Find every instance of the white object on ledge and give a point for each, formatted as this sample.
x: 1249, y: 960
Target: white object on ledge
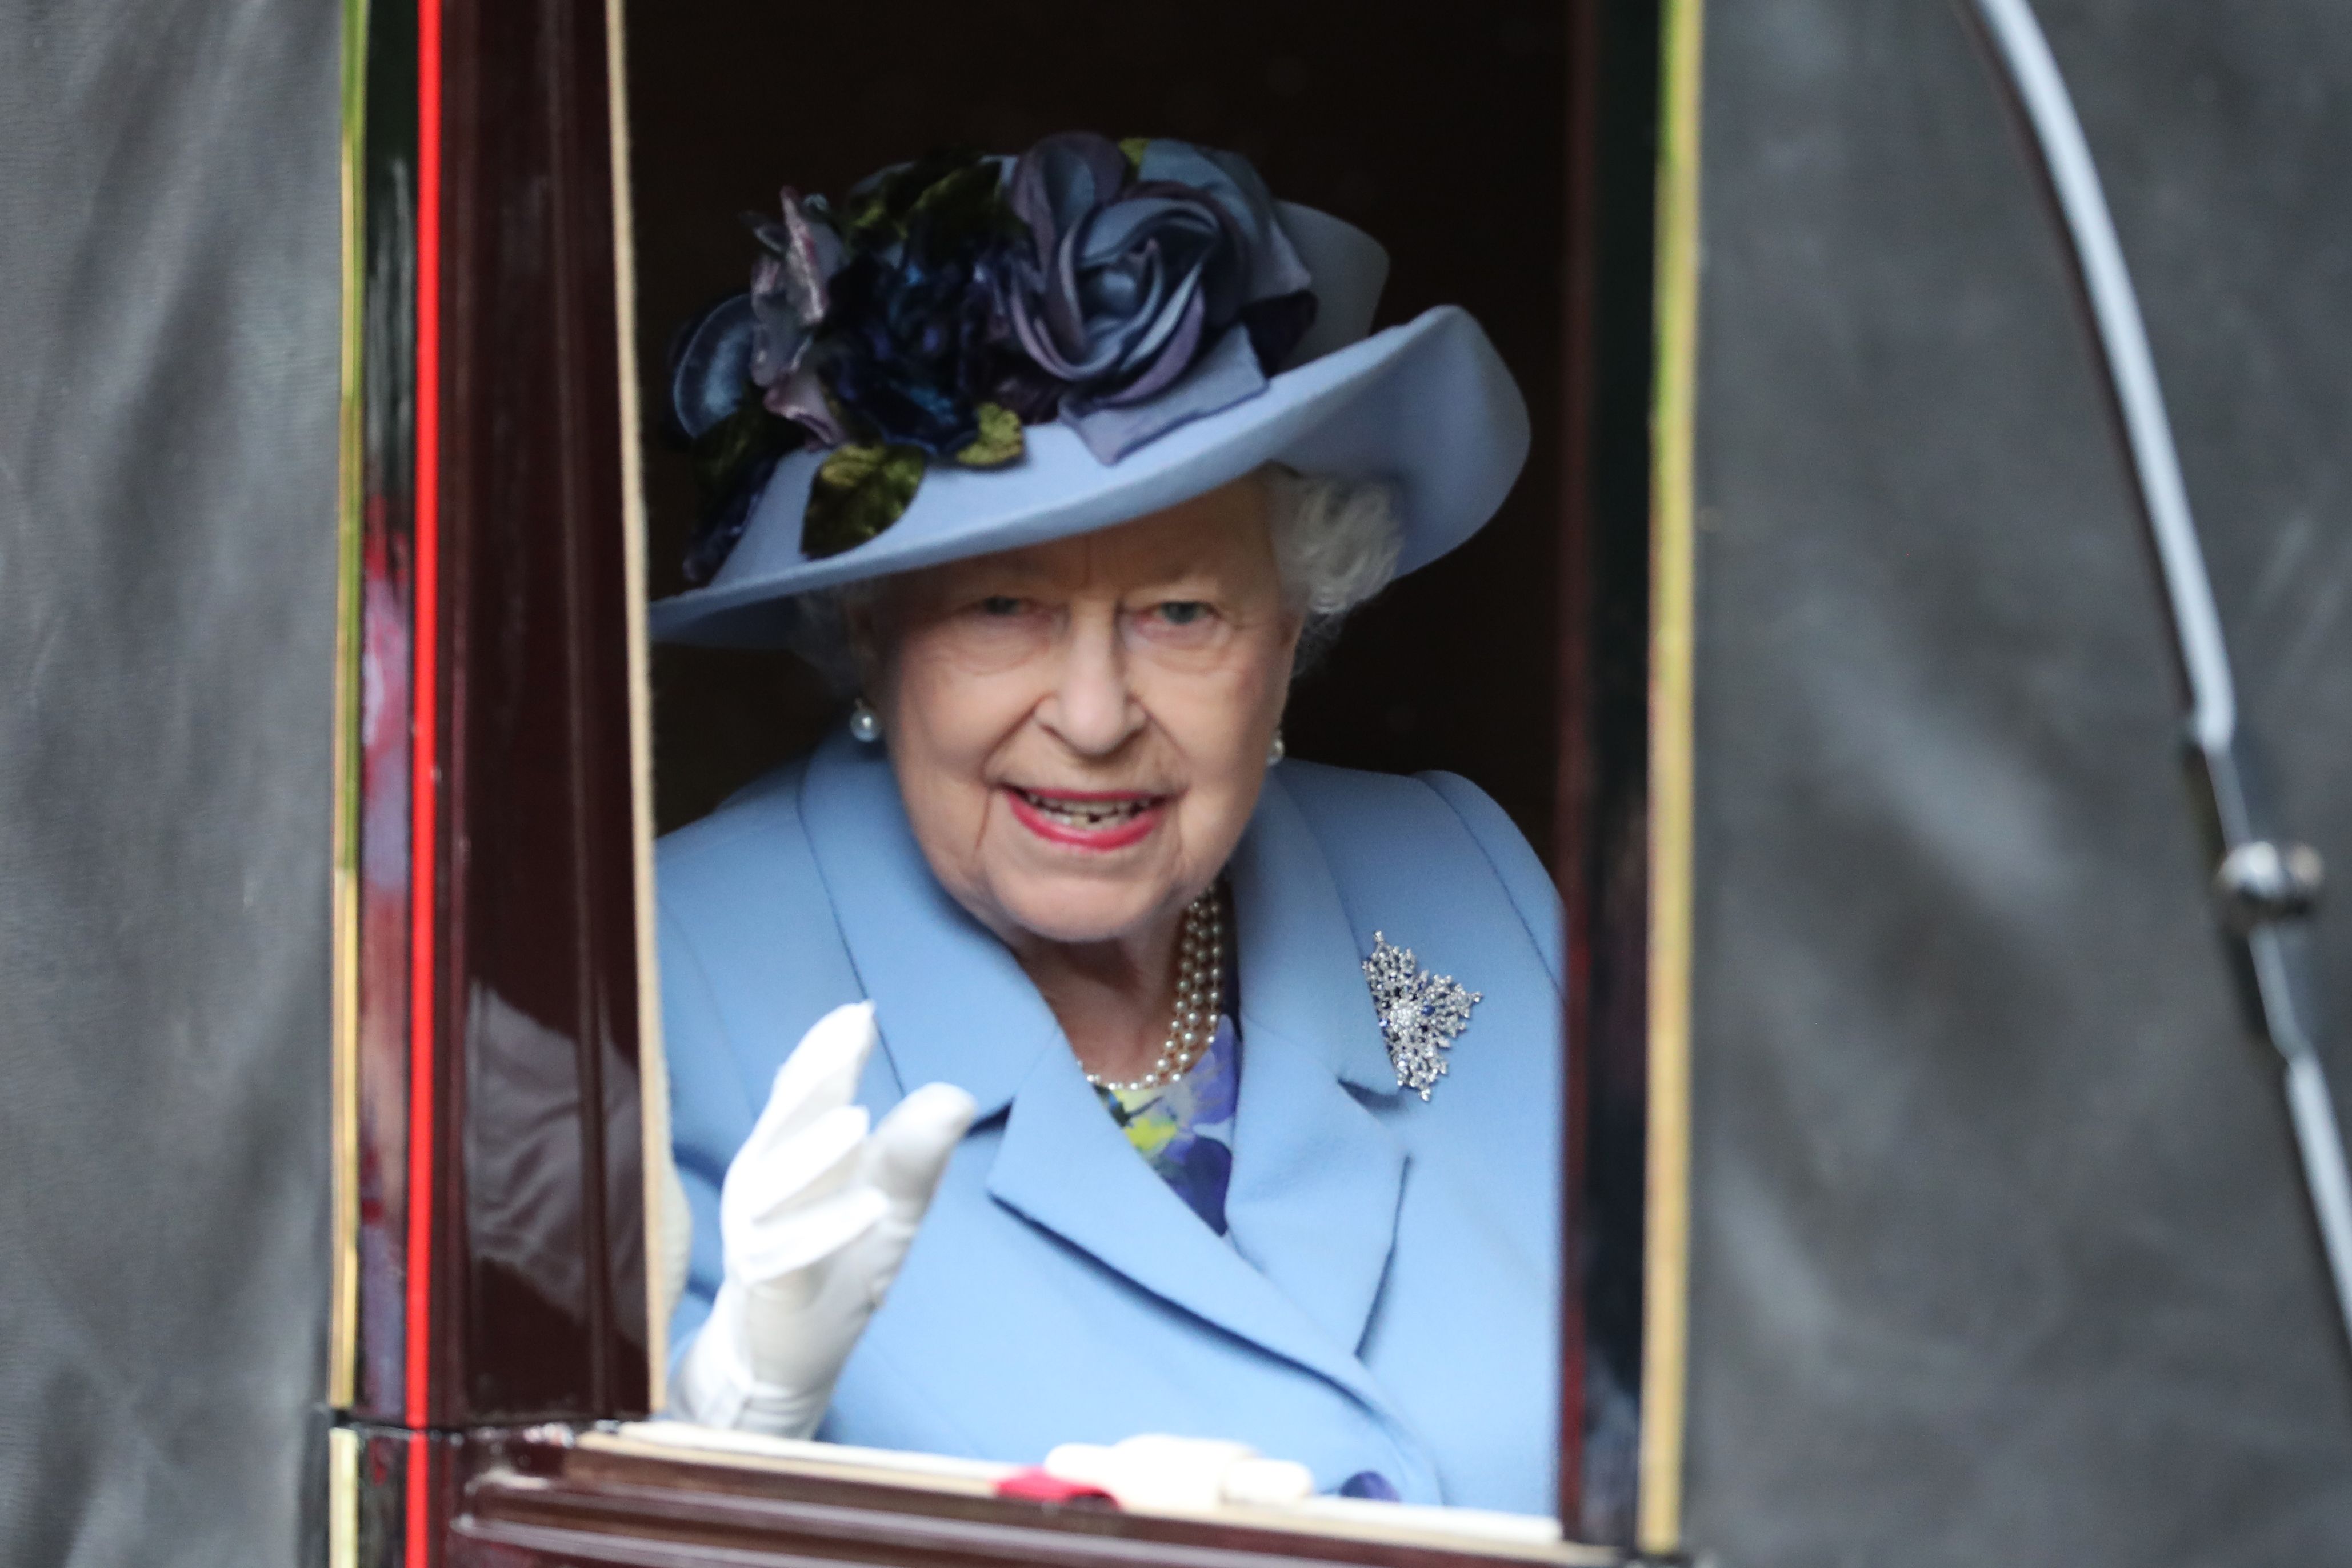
x: 1186, y: 1474
x: 1528, y: 1536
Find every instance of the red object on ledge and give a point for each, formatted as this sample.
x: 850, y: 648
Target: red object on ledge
x: 1036, y: 1485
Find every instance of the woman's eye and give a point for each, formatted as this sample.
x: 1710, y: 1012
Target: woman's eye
x: 1183, y: 612
x: 1000, y: 604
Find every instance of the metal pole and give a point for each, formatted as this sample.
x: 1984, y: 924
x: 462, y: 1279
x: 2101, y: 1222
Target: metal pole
x: 2265, y: 889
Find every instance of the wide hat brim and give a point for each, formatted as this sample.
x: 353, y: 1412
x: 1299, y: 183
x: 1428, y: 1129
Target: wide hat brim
x: 1427, y: 406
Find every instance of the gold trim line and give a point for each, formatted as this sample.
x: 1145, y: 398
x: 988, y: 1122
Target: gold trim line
x: 653, y: 1075
x: 1667, y: 1228
x: 343, y: 905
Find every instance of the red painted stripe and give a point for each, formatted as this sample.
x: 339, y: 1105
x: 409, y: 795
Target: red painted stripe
x: 424, y: 747
x: 416, y: 1539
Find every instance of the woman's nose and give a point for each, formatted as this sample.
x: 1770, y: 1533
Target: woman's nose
x: 1092, y: 708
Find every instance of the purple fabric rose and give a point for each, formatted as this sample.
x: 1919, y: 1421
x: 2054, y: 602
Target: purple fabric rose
x: 790, y: 299
x: 1140, y: 292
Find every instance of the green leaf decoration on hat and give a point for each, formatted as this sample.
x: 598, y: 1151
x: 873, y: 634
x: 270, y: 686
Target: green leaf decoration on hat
x: 856, y: 493
x: 999, y: 441
x: 721, y: 452
x: 963, y: 208
x: 954, y: 189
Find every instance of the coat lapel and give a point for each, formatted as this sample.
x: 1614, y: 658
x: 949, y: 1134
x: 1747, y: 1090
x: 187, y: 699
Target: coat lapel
x: 1317, y: 1178
x: 1064, y: 1165
x: 1316, y: 1181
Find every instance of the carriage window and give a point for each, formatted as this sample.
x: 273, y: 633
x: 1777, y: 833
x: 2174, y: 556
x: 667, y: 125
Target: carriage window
x: 1202, y: 391
x: 1004, y: 944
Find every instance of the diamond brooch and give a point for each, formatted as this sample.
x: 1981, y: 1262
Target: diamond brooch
x: 1420, y: 1012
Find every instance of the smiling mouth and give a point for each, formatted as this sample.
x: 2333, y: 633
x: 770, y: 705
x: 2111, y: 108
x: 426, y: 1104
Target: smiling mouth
x: 1093, y: 821
x: 1088, y: 811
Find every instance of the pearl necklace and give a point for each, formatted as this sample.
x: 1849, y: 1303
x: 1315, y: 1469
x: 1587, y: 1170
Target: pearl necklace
x: 1199, y: 966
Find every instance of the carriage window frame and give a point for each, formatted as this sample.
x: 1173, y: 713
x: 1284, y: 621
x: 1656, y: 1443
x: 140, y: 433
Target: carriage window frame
x: 494, y: 835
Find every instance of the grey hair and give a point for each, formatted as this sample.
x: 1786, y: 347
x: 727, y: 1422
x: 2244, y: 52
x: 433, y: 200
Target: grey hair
x: 1336, y: 543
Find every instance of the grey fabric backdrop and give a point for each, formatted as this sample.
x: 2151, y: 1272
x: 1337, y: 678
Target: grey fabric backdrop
x: 2001, y: 1251
x: 168, y: 289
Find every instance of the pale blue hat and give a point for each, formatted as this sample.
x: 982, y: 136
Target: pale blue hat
x: 1427, y: 406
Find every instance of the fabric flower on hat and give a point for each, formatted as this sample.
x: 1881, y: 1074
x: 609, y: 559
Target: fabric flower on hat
x: 917, y: 338
x: 1140, y: 260
x: 743, y: 392
x: 912, y: 342
x: 1122, y: 288
x: 789, y: 298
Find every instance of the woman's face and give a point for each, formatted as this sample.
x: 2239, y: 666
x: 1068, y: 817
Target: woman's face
x: 1080, y: 729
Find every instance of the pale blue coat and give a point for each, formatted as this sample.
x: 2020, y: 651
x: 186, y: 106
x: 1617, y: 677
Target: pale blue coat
x: 1386, y: 1299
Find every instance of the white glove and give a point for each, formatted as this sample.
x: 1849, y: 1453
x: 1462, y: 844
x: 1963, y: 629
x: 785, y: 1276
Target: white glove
x: 816, y: 1215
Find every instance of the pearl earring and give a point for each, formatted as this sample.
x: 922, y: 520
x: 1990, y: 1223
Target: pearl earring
x: 865, y: 724
x: 1276, y: 751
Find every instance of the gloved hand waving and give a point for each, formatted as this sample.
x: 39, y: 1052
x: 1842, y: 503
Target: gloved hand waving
x: 815, y: 1216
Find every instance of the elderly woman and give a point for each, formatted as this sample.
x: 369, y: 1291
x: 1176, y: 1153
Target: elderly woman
x: 1162, y: 1084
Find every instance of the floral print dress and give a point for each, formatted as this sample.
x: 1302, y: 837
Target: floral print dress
x: 1185, y: 1130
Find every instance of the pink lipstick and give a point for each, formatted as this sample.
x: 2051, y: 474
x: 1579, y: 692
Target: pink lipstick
x: 1087, y: 819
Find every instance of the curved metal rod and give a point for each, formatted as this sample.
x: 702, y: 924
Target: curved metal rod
x: 2040, y: 93
x: 2268, y: 887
